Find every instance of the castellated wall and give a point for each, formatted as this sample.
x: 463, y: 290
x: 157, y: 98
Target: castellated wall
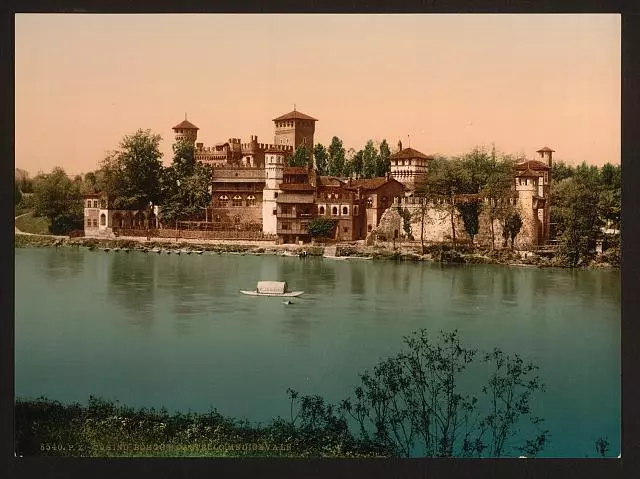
x: 437, y: 225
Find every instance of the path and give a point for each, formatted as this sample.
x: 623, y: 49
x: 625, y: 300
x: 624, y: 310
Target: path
x: 18, y: 232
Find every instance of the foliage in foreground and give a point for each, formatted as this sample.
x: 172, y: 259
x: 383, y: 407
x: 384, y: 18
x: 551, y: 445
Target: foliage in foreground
x: 410, y: 404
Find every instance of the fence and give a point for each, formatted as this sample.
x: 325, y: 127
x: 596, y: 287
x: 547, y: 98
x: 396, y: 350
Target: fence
x: 198, y: 234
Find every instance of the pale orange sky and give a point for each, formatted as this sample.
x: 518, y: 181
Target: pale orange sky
x: 451, y: 82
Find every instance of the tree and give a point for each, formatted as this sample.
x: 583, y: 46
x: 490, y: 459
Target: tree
x: 383, y: 160
x: 413, y: 402
x: 336, y: 157
x: 186, y: 185
x: 58, y: 199
x: 369, y: 160
x: 406, y: 221
x: 90, y: 183
x: 132, y: 175
x: 440, y: 187
x: 321, y: 157
x: 301, y: 157
x: 357, y: 164
x: 498, y: 189
x: 469, y: 209
x: 512, y: 226
x: 576, y: 212
x: 17, y: 194
x: 322, y: 227
x: 560, y: 170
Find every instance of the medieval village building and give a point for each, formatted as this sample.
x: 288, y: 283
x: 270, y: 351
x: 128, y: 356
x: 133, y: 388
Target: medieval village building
x: 254, y: 190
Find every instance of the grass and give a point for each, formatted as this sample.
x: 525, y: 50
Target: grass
x: 32, y: 224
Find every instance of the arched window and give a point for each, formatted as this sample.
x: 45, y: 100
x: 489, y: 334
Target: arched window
x: 223, y: 200
x: 237, y: 201
x: 345, y: 210
x: 103, y: 220
x: 355, y: 210
x: 251, y: 200
x: 334, y: 210
x: 321, y: 210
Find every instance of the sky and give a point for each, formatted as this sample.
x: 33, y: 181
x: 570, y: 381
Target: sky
x: 442, y: 84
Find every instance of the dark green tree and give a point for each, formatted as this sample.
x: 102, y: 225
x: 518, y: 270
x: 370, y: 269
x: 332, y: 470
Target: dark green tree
x: 560, y: 170
x: 469, y: 209
x: 512, y: 226
x: 59, y: 199
x: 301, y: 157
x: 321, y: 158
x: 131, y: 176
x: 383, y: 160
x: 336, y: 157
x: 186, y: 185
x: 369, y: 160
x: 322, y: 227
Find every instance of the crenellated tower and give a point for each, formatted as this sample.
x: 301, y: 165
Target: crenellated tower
x: 295, y: 129
x: 186, y: 131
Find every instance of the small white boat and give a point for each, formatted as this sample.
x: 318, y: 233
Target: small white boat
x: 272, y: 288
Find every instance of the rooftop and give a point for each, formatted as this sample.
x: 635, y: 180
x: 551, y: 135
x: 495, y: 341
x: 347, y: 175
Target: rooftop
x: 409, y: 153
x: 295, y: 115
x: 370, y: 183
x: 185, y: 125
x: 545, y: 149
x: 295, y: 170
x: 531, y: 165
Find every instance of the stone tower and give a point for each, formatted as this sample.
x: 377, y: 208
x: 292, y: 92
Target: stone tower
x: 295, y: 129
x: 186, y: 131
x: 546, y: 156
x: 274, y: 171
x: 527, y: 190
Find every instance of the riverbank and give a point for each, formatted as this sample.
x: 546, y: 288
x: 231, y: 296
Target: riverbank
x: 442, y: 253
x: 106, y: 429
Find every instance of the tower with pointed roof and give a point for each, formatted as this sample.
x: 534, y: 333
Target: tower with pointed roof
x: 186, y: 131
x: 409, y: 166
x: 295, y: 129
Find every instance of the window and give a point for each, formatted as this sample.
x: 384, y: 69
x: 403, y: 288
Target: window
x: 89, y: 222
x: 369, y: 202
x: 236, y: 219
x: 285, y: 210
x: 304, y: 226
x: 223, y: 200
x: 286, y: 226
x: 334, y: 210
x: 251, y: 200
x: 103, y: 219
x: 88, y: 203
x: 237, y: 201
x: 345, y: 229
x: 275, y: 211
x: 321, y: 210
x: 95, y: 203
x: 345, y: 210
x: 355, y: 210
x: 95, y: 223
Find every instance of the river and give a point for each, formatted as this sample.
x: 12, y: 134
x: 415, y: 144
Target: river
x: 166, y: 330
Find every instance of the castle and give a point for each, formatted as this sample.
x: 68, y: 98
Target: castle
x: 253, y: 189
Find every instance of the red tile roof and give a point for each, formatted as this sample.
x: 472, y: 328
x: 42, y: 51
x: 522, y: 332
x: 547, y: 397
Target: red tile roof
x: 371, y: 183
x: 185, y: 124
x: 409, y: 153
x: 327, y: 180
x: 544, y: 149
x: 532, y: 165
x: 295, y: 115
x: 296, y: 187
x: 528, y: 173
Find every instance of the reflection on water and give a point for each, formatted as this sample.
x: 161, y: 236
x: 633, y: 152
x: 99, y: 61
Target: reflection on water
x: 153, y: 330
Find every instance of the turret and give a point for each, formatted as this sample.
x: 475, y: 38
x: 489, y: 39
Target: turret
x: 274, y: 170
x: 186, y: 131
x: 546, y: 154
